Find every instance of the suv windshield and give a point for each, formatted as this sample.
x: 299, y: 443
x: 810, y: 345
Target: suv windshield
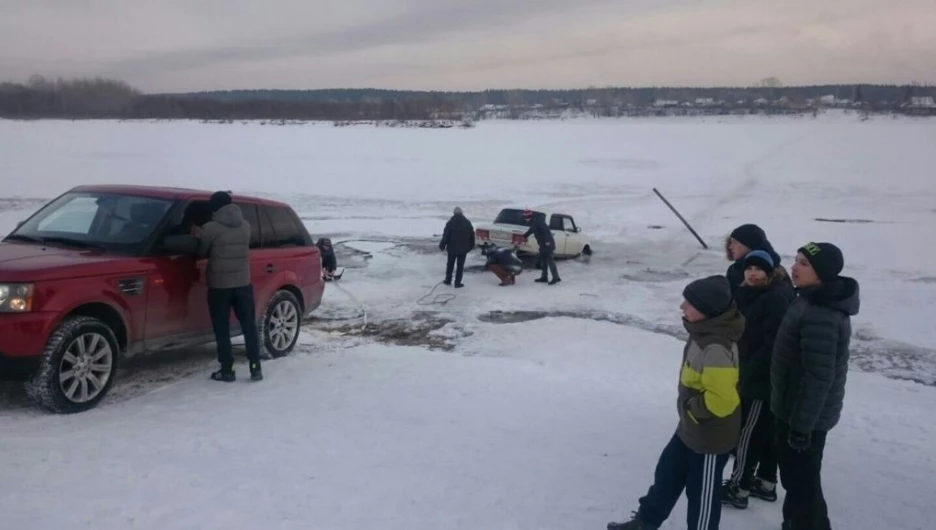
x: 510, y: 216
x: 95, y: 220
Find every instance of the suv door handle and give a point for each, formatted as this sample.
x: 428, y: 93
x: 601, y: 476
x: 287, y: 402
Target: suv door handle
x: 270, y: 269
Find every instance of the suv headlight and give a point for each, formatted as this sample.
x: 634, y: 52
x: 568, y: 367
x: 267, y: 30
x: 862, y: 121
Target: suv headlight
x: 16, y: 297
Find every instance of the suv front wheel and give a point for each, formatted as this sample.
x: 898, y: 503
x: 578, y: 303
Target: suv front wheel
x: 77, y: 367
x: 279, y: 328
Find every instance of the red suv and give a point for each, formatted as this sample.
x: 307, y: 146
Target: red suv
x: 89, y: 278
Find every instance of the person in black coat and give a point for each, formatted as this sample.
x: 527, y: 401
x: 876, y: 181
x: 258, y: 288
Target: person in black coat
x: 763, y: 299
x: 329, y: 260
x: 504, y: 263
x: 807, y: 376
x: 547, y: 246
x: 458, y: 239
x: 739, y: 243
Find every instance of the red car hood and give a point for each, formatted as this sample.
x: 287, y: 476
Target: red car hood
x: 30, y: 263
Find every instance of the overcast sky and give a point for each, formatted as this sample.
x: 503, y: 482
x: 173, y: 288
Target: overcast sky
x: 183, y: 45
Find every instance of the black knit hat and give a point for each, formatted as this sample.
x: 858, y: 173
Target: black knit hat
x: 218, y: 200
x: 826, y: 259
x: 760, y: 259
x: 711, y: 296
x: 750, y: 235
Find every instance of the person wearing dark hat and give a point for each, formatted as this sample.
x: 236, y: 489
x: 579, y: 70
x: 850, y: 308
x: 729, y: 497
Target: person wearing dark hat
x: 546, y: 243
x: 458, y: 239
x: 763, y: 299
x: 709, y: 413
x: 807, y: 375
x: 739, y: 243
x: 225, y: 241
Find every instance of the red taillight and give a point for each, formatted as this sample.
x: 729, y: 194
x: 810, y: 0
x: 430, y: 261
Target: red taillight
x: 483, y: 234
x: 517, y: 239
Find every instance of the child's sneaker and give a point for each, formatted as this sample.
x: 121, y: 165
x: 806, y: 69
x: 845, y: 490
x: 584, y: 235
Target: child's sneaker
x: 764, y: 490
x: 734, y: 496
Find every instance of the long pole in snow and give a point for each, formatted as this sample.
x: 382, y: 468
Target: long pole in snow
x: 681, y: 218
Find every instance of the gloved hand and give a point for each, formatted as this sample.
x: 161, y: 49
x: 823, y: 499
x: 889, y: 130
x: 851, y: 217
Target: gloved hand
x: 442, y: 246
x: 799, y: 441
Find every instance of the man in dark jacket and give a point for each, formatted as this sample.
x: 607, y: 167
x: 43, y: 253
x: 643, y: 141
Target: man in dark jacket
x: 547, y: 246
x: 329, y: 260
x: 807, y: 375
x: 459, y: 239
x: 225, y: 241
x: 763, y: 300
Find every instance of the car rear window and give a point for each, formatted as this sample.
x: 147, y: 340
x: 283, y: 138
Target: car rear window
x: 510, y: 216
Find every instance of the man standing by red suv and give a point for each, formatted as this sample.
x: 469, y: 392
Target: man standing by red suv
x: 225, y: 241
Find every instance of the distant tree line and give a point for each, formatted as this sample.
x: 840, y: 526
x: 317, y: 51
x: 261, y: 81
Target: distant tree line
x: 107, y: 98
x: 110, y: 99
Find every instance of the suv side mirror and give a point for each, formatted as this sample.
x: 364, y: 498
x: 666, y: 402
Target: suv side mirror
x: 578, y: 229
x: 19, y: 224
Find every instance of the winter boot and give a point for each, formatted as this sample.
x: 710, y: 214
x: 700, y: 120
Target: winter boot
x: 226, y: 376
x: 447, y: 282
x: 764, y: 490
x: 459, y: 285
x: 555, y: 281
x: 734, y: 496
x: 634, y: 524
x: 256, y: 374
x: 542, y: 279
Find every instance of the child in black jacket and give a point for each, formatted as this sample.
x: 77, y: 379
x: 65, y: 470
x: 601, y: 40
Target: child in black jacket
x: 763, y: 298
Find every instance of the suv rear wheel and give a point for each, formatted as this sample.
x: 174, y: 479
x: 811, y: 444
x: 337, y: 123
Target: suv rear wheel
x: 279, y: 328
x: 77, y: 367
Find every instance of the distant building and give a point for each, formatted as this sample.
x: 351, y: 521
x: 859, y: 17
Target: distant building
x: 827, y: 100
x: 923, y: 101
x: 665, y: 103
x: 705, y: 101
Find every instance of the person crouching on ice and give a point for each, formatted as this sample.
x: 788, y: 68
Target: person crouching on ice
x: 329, y: 261
x: 709, y: 413
x: 504, y: 263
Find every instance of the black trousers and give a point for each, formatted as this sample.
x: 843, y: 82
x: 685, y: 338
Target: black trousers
x: 457, y: 262
x: 682, y: 469
x: 804, y: 507
x: 548, y: 263
x: 756, y: 448
x: 220, y: 304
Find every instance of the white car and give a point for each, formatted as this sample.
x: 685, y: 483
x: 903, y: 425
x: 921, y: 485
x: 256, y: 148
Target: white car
x: 509, y: 226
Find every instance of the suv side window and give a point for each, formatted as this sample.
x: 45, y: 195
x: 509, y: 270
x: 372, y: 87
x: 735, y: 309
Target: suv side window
x: 284, y: 233
x: 252, y: 216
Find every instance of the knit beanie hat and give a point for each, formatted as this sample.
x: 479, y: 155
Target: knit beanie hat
x: 760, y: 259
x: 711, y: 296
x: 826, y: 259
x: 457, y: 211
x: 750, y: 235
x: 218, y: 200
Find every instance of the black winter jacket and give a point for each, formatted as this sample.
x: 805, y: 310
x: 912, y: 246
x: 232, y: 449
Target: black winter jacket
x: 458, y: 236
x: 810, y: 360
x: 544, y: 237
x: 763, y: 309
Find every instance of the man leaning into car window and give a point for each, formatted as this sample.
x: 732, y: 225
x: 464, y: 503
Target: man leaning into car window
x: 225, y: 241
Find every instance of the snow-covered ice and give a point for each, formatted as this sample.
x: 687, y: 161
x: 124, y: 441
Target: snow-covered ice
x: 522, y: 407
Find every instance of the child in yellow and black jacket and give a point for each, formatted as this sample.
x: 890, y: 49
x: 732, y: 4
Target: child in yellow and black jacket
x: 709, y: 412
